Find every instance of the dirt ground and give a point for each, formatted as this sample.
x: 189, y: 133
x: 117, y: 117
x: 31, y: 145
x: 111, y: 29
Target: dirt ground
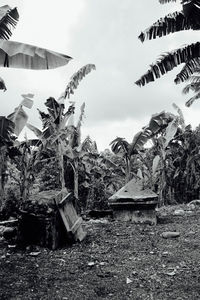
x: 117, y: 260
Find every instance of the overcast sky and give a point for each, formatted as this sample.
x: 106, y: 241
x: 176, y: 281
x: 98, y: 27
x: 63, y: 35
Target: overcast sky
x: 102, y: 32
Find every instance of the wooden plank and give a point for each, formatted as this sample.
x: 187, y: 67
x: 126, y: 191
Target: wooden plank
x: 64, y: 219
x: 76, y: 225
x: 69, y: 216
x: 132, y: 203
x: 67, y: 198
x: 9, y: 222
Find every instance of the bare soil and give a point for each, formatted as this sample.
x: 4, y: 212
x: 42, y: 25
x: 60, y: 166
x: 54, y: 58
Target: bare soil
x: 117, y: 260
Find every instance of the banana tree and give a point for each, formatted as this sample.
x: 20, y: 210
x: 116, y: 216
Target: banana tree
x: 75, y: 150
x: 186, y: 19
x: 23, y: 166
x: 11, y: 126
x: 6, y: 145
x: 56, y: 132
x: 121, y: 147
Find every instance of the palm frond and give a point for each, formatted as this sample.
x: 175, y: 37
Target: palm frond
x: 171, y: 23
x: 191, y: 100
x: 187, y: 89
x: 169, y: 61
x: 191, y: 9
x: 194, y: 79
x: 192, y: 66
x: 8, y: 18
x: 76, y: 78
x: 166, y: 1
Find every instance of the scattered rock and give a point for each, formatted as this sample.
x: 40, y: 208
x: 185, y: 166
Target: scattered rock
x: 192, y: 207
x: 128, y: 280
x: 194, y: 202
x: 134, y: 273
x: 91, y: 264
x: 170, y: 234
x: 12, y: 246
x: 102, y: 221
x: 165, y: 253
x: 179, y: 212
x: 34, y: 253
x: 171, y: 273
x: 189, y: 212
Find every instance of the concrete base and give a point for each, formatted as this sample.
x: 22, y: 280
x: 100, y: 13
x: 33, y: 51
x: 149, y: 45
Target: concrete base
x: 136, y: 216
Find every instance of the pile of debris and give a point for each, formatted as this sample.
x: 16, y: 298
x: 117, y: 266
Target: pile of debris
x: 48, y: 219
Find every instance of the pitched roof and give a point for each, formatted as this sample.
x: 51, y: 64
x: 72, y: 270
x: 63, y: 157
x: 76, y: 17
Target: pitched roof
x: 133, y: 191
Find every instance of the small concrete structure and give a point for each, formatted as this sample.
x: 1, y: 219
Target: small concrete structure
x: 134, y: 203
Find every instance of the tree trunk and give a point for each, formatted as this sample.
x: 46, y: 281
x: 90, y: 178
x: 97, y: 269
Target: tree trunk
x: 76, y: 195
x: 61, y: 166
x: 2, y: 170
x: 128, y: 170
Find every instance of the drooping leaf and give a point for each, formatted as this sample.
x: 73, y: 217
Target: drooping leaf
x: 170, y: 132
x: 8, y: 18
x: 37, y: 131
x: 6, y: 129
x: 190, y: 67
x: 155, y: 164
x: 27, y: 100
x: 80, y: 120
x: 171, y: 23
x: 67, y: 115
x: 19, y: 117
x: 45, y: 118
x: 31, y: 142
x: 82, y: 109
x: 191, y: 10
x: 2, y: 85
x: 181, y: 117
x: 166, y: 1
x: 139, y: 140
x: 159, y: 121
x: 76, y: 78
x: 169, y: 61
x: 191, y: 100
x: 53, y: 107
x: 120, y: 146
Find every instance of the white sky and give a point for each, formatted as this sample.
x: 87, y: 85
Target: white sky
x: 103, y: 32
